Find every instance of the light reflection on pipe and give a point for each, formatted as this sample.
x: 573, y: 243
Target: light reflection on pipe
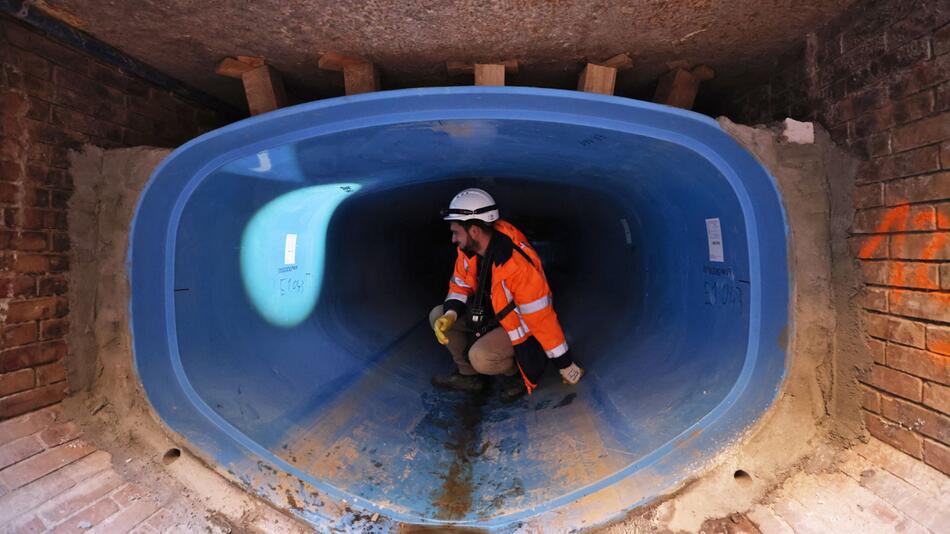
x: 283, y: 252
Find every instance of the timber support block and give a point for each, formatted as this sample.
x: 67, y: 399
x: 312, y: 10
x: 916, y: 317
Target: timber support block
x: 489, y: 73
x: 679, y: 86
x: 359, y: 75
x: 263, y: 86
x: 597, y: 79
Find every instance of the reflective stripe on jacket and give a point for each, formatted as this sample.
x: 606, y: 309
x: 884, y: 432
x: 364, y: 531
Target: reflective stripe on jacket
x: 517, y: 275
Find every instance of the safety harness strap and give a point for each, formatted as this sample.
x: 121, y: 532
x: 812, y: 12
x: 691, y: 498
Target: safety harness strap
x: 484, y: 264
x: 496, y: 320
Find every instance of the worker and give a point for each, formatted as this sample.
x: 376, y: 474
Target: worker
x: 498, y: 317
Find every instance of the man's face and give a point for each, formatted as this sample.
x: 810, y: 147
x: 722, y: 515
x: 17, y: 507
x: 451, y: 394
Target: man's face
x: 462, y: 238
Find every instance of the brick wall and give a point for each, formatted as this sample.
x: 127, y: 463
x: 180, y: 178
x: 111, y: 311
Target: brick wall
x: 878, y: 79
x: 54, y: 98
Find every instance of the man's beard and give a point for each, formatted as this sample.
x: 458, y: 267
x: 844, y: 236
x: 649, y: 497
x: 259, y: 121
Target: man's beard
x: 471, y: 246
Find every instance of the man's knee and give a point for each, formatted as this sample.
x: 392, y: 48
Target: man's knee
x: 489, y: 360
x: 435, y: 314
x: 479, y: 360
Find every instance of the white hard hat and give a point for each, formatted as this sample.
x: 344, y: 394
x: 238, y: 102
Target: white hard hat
x: 470, y: 204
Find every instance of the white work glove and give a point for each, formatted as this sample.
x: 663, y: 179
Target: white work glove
x: 572, y: 374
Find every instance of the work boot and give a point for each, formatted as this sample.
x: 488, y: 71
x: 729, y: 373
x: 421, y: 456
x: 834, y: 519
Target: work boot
x: 459, y: 382
x: 512, y: 387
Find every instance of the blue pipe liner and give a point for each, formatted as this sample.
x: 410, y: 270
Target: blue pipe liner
x: 283, y: 267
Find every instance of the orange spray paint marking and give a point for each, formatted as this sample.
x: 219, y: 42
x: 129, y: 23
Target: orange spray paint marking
x: 896, y: 277
x: 928, y: 253
x: 897, y: 214
x: 895, y: 220
x: 921, y: 220
x: 942, y: 347
x: 942, y: 221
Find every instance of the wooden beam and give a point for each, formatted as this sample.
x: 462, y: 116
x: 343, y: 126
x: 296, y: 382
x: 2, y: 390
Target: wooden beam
x: 264, y: 90
x: 703, y: 73
x: 597, y: 79
x: 511, y: 66
x: 677, y: 88
x: 253, y: 61
x: 234, y: 67
x: 619, y: 62
x: 489, y: 74
x: 359, y: 75
x: 263, y: 86
x: 337, y: 62
x: 360, y: 78
x: 457, y: 68
x: 677, y: 64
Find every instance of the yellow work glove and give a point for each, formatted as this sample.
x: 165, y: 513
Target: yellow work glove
x: 572, y: 374
x: 442, y: 324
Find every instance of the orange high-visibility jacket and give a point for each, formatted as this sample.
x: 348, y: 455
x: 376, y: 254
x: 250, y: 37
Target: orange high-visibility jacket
x: 516, y: 276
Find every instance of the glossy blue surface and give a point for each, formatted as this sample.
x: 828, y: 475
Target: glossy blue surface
x: 316, y: 362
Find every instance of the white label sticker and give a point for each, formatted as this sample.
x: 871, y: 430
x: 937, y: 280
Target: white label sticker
x: 290, y: 249
x: 714, y: 236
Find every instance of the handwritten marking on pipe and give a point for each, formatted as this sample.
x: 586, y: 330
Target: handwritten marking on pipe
x: 291, y: 285
x: 722, y: 293
x: 596, y: 138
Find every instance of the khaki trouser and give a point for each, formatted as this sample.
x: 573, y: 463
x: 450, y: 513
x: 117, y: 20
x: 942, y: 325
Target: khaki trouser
x: 492, y: 354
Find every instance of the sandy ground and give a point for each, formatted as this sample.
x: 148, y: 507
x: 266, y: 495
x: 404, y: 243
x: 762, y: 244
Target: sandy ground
x: 57, y: 475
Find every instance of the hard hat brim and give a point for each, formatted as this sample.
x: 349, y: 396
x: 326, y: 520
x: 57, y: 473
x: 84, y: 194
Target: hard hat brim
x: 489, y: 216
